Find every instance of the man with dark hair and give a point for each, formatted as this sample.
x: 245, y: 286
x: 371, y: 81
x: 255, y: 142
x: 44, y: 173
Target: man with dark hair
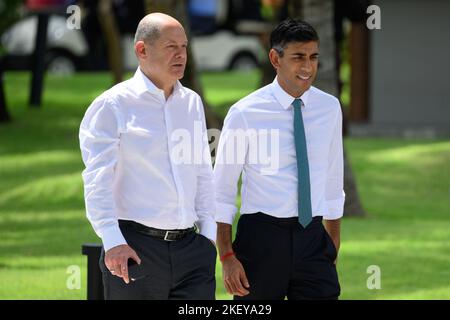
x: 142, y: 199
x: 282, y: 248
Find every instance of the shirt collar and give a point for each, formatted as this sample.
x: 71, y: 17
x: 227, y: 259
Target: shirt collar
x: 284, y: 98
x: 143, y: 84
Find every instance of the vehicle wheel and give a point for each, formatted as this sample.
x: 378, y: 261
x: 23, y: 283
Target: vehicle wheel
x: 59, y: 63
x: 244, y: 62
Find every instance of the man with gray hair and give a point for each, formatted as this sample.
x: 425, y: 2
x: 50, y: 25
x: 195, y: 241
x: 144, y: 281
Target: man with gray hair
x: 143, y: 202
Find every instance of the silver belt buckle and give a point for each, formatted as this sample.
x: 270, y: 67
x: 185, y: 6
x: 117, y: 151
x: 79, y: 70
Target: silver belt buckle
x: 165, y: 237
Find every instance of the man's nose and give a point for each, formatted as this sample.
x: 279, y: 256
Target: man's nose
x: 181, y: 53
x: 307, y: 66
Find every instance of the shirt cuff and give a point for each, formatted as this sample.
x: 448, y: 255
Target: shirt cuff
x: 225, y: 213
x: 335, y: 209
x: 208, y: 229
x: 112, y: 237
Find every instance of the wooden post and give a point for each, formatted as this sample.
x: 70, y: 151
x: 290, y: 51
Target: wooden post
x: 359, y: 76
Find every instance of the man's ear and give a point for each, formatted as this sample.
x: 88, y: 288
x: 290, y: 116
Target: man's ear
x: 139, y: 49
x: 274, y: 58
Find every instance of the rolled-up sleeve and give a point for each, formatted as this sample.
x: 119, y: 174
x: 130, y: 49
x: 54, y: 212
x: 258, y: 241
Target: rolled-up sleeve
x: 231, y: 155
x: 204, y: 198
x: 99, y: 144
x: 334, y: 189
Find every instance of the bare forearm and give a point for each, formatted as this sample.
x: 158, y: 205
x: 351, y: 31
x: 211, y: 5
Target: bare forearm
x: 333, y: 228
x: 224, y: 238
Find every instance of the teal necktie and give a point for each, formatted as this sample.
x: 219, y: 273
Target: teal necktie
x: 304, y: 192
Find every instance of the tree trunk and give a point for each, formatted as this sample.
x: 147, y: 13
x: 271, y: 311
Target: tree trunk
x: 111, y: 34
x: 177, y: 9
x: 8, y: 15
x: 268, y: 72
x: 4, y: 115
x: 353, y: 206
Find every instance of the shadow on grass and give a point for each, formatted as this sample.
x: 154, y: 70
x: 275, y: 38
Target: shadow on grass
x: 48, y: 237
x: 41, y: 130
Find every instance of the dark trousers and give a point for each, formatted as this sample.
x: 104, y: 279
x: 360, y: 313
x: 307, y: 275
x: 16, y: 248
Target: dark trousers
x: 182, y: 269
x: 283, y: 259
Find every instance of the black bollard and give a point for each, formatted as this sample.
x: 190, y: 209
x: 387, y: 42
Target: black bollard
x: 94, y: 274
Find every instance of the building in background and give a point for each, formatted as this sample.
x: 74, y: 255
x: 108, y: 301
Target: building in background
x: 408, y: 72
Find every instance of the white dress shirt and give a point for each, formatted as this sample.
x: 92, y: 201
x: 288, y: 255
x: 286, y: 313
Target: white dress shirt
x: 130, y: 140
x: 269, y: 183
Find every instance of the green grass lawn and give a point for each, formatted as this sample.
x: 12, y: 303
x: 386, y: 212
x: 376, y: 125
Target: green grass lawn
x: 404, y: 186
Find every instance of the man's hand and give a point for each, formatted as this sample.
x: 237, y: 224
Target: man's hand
x: 333, y: 227
x: 337, y: 244
x: 116, y: 260
x: 234, y: 277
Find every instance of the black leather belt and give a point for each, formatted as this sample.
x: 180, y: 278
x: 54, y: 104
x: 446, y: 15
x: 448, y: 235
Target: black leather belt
x: 167, y: 235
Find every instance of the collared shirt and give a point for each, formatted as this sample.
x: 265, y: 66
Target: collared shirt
x: 141, y: 154
x: 267, y: 157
